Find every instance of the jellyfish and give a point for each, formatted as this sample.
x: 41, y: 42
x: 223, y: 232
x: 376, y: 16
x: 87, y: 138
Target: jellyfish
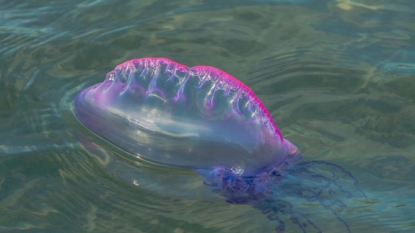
x: 203, y: 119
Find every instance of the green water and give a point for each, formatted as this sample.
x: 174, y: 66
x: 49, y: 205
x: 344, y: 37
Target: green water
x: 338, y: 77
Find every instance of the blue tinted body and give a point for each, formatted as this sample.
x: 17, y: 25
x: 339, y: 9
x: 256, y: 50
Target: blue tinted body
x: 170, y: 114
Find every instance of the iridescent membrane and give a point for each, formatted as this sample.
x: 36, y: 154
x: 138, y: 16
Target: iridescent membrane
x: 199, y: 117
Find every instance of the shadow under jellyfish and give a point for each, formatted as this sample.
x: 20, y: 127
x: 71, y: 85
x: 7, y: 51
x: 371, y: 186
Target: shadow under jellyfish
x: 204, y: 119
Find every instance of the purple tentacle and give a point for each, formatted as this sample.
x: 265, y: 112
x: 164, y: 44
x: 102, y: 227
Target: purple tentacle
x: 266, y: 191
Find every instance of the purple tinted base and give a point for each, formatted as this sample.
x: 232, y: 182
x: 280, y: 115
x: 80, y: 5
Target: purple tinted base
x: 311, y: 181
x: 239, y: 189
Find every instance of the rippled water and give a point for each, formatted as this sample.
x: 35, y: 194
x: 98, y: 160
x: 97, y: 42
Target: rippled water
x: 337, y: 76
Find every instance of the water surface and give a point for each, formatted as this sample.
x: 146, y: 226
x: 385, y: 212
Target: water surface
x: 337, y: 77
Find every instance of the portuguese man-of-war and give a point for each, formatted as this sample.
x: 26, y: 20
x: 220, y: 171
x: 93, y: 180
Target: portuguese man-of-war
x: 204, y: 119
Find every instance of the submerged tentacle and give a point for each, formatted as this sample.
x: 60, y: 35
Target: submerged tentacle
x: 304, y: 173
x: 335, y: 177
x: 303, y: 180
x: 273, y: 208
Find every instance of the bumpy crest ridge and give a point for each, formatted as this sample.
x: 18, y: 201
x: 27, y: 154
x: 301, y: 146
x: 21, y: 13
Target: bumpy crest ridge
x: 222, y: 81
